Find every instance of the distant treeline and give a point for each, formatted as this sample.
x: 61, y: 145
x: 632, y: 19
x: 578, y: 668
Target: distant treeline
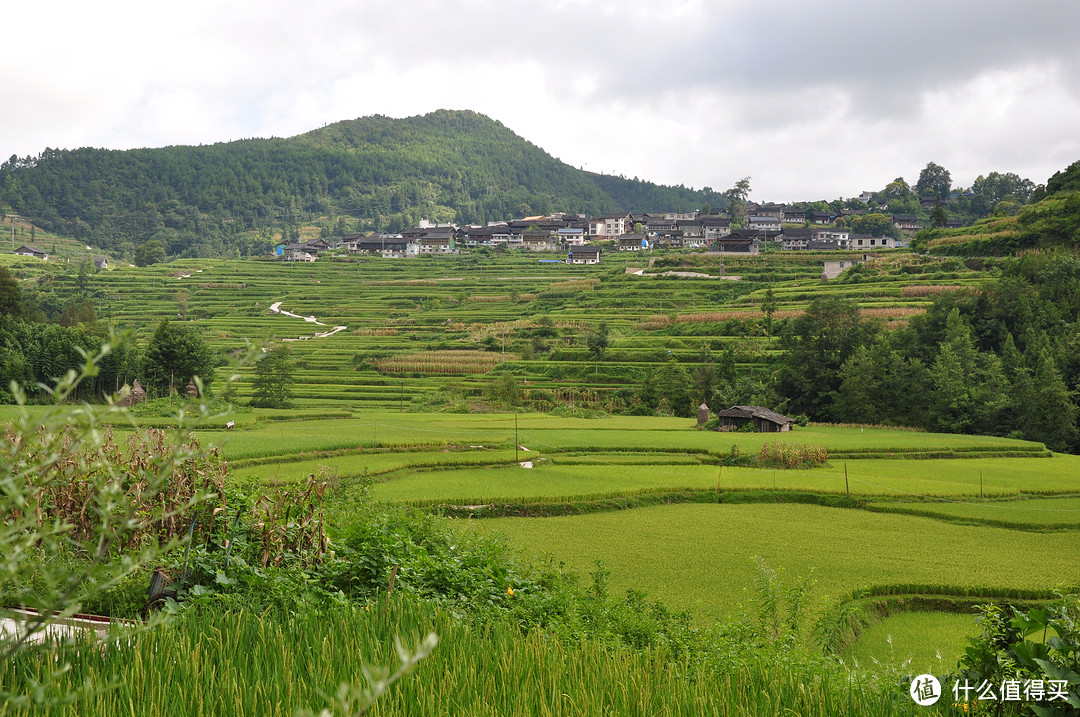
x: 372, y: 173
x: 1052, y: 219
x: 1003, y: 360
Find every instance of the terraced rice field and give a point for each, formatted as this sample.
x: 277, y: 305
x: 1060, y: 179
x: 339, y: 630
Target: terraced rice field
x: 925, y: 508
x: 998, y: 514
x: 410, y: 325
x: 700, y: 557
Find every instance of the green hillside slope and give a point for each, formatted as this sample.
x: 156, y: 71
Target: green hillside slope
x: 364, y: 174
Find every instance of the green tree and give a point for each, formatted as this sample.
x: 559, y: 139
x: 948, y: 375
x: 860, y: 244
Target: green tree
x: 1051, y: 417
x: 506, y: 391
x: 934, y: 180
x: 817, y: 344
x: 272, y: 385
x: 175, y: 355
x: 738, y: 195
x: 672, y: 382
x: 938, y: 217
x: 768, y: 308
x: 150, y: 252
x: 875, y: 224
x: 10, y: 295
x: 597, y: 342
x: 896, y: 189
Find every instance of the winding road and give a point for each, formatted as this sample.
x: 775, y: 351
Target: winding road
x: 276, y: 308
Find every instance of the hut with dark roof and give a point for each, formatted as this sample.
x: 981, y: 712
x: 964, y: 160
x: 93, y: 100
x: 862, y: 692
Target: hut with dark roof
x: 763, y: 419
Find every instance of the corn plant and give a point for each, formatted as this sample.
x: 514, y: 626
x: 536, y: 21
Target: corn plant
x: 291, y: 524
x: 79, y: 515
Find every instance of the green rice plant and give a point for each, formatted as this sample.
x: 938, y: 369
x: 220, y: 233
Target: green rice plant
x: 1038, y: 514
x: 697, y: 556
x: 900, y: 642
x: 210, y: 662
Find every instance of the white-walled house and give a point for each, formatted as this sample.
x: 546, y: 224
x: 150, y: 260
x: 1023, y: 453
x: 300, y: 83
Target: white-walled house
x: 583, y: 255
x: 31, y: 250
x: 610, y: 225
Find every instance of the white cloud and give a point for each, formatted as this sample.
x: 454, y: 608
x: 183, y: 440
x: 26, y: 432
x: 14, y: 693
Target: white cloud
x: 812, y: 100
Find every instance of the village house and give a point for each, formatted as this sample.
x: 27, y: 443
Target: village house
x: 833, y: 269
x: 690, y: 228
x: 537, y: 240
x: 571, y: 236
x: 31, y: 250
x: 764, y: 223
x: 765, y: 210
x: 739, y: 242
x: 672, y: 239
x: 793, y: 215
x: 633, y: 242
x: 390, y: 246
x: 906, y: 222
x: 101, y: 262
x: 796, y: 239
x: 436, y: 241
x: 609, y: 225
x: 317, y: 245
x: 865, y: 241
x: 660, y: 225
x: 840, y: 236
x: 714, y: 227
x: 763, y: 419
x: 297, y: 252
x: 815, y: 217
x: 583, y: 255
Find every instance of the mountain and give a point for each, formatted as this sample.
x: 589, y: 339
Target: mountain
x: 368, y: 173
x: 638, y: 195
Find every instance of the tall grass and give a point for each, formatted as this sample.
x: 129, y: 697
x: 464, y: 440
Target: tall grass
x: 239, y: 663
x: 442, y: 362
x: 791, y: 455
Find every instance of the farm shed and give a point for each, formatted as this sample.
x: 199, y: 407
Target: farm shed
x: 764, y: 420
x: 31, y: 250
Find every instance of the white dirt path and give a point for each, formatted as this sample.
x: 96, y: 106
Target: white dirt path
x: 276, y: 308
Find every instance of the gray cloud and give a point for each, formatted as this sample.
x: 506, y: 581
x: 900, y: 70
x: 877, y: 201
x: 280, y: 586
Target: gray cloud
x: 812, y: 99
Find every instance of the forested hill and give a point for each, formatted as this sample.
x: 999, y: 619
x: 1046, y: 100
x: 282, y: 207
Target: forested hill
x: 369, y: 173
x: 640, y: 196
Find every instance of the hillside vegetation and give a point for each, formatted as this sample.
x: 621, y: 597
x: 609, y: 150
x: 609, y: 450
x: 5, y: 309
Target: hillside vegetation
x: 1052, y: 220
x: 369, y: 173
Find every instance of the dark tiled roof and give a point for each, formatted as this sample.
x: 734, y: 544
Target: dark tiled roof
x: 755, y: 412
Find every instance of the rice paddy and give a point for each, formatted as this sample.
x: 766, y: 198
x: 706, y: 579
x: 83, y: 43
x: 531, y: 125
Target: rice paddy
x: 242, y: 663
x: 950, y: 513
x: 913, y: 642
x: 700, y: 557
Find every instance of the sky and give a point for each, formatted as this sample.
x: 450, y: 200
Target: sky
x: 811, y: 100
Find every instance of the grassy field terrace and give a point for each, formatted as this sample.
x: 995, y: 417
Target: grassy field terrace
x: 383, y: 333
x: 939, y: 521
x: 654, y: 500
